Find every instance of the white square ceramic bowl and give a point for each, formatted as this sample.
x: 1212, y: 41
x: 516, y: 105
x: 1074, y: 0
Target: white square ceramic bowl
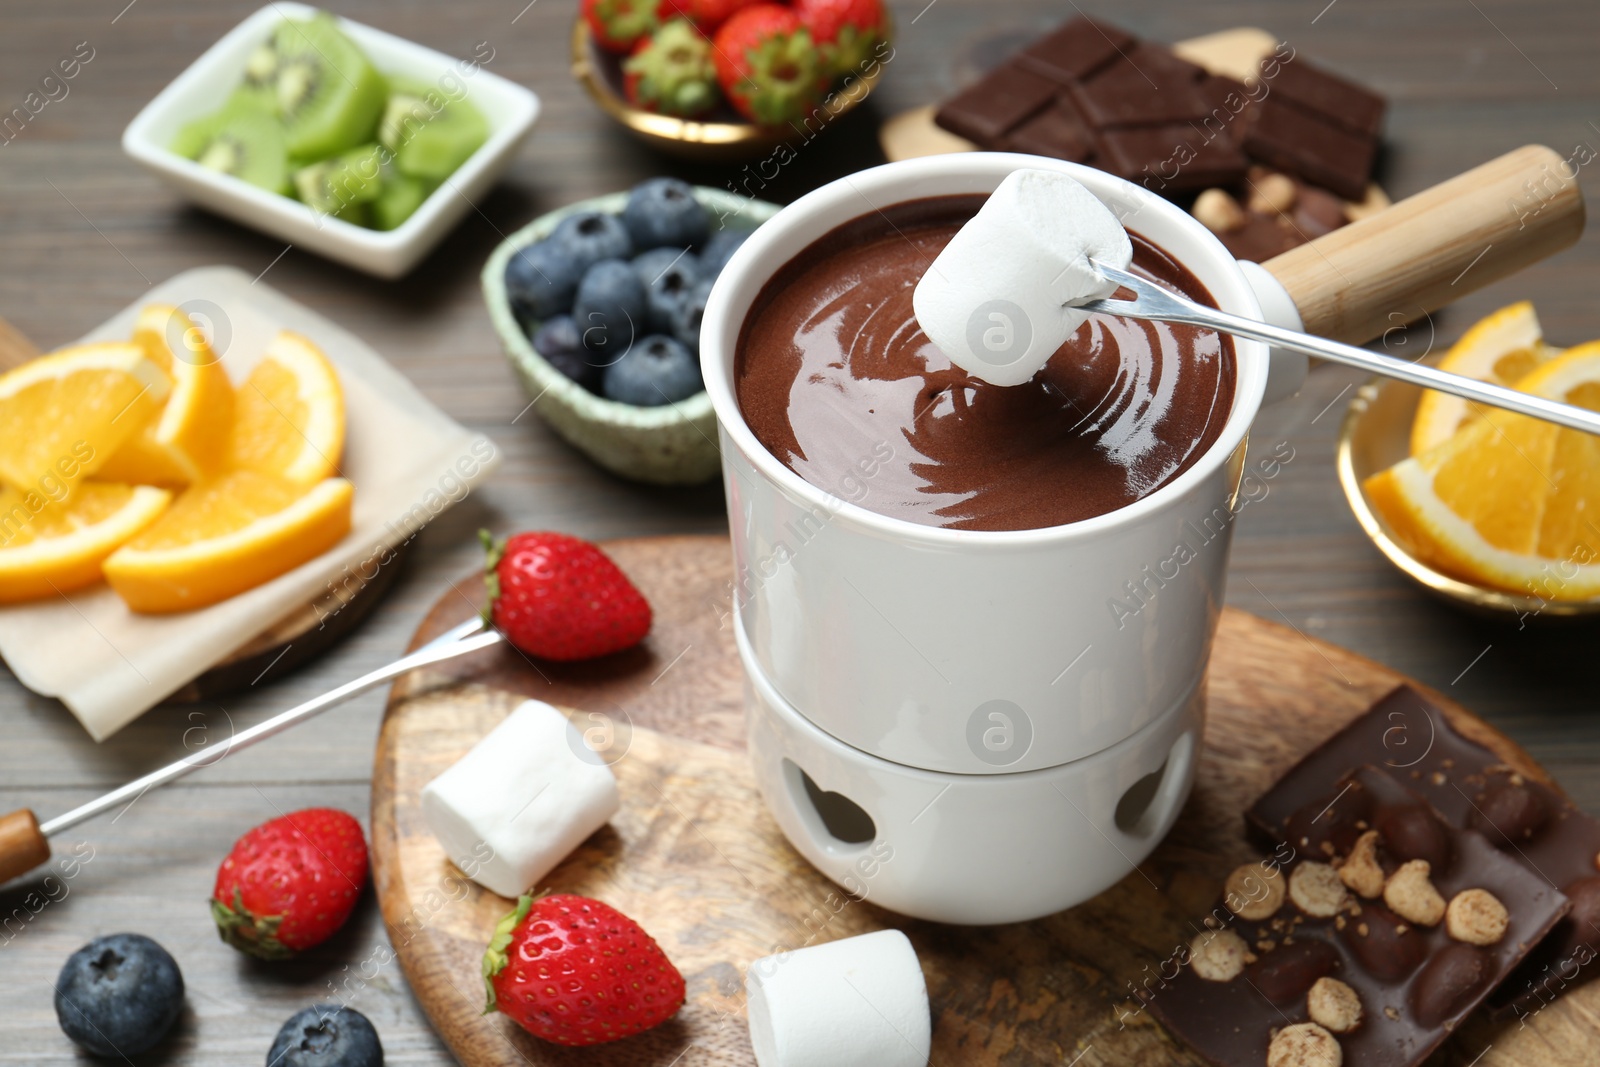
x: 510, y: 109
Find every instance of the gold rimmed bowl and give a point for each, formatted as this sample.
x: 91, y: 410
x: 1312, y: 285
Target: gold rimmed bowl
x: 1375, y: 434
x: 723, y: 135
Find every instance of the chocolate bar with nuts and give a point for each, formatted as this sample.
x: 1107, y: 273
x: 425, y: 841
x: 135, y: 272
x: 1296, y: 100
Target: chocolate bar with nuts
x: 1371, y: 933
x: 1532, y: 823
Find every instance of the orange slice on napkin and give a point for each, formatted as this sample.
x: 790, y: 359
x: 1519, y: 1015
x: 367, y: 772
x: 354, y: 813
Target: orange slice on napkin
x: 188, y: 441
x: 1502, y: 348
x: 48, y: 548
x: 64, y: 414
x: 1505, y: 502
x: 224, y: 537
x: 289, y: 414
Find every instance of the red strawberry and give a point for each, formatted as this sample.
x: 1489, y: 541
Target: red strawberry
x: 705, y: 14
x: 578, y: 972
x: 618, y: 25
x: 557, y: 597
x: 769, y: 67
x: 846, y: 30
x: 290, y: 883
x: 672, y: 72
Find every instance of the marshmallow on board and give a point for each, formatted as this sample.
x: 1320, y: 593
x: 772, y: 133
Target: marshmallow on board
x: 524, y: 797
x: 859, y: 1002
x: 998, y: 301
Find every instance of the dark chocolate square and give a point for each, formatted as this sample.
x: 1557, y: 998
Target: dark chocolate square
x: 1075, y: 50
x: 1161, y: 62
x: 1057, y: 131
x: 1129, y: 94
x: 1343, y: 103
x: 1228, y: 107
x: 997, y: 104
x: 1304, y: 144
x: 1169, y: 159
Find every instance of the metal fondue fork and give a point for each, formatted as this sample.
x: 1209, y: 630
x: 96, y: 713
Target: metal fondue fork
x: 23, y: 843
x: 1152, y: 302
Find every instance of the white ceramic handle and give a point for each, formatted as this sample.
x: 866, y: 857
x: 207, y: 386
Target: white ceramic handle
x: 1286, y: 372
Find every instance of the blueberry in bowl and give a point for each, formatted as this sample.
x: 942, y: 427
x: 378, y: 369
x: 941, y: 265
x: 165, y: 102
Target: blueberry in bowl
x: 598, y: 307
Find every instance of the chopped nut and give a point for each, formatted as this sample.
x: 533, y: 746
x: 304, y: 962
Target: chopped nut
x: 1391, y: 1012
x: 1304, y: 1045
x: 1438, y: 778
x: 1334, y: 1005
x: 1316, y: 890
x: 1339, y: 922
x: 1360, y: 870
x: 1265, y: 946
x: 1411, y: 895
x: 1218, y: 956
x: 1217, y: 211
x: 1273, y: 194
x: 1254, y: 892
x: 1361, y: 929
x: 1476, y: 916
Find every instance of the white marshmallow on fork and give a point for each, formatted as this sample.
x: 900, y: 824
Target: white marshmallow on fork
x: 859, y: 1002
x: 998, y: 300
x: 524, y: 797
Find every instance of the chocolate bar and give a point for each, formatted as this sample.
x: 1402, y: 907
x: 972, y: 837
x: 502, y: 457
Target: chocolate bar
x: 1290, y: 138
x: 1374, y: 926
x: 1091, y: 93
x: 1532, y: 823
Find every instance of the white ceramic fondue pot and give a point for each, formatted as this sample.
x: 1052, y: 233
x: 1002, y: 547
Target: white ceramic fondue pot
x: 982, y: 727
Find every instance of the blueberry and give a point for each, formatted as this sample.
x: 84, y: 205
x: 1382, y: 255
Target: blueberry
x: 540, y: 281
x: 688, y: 316
x: 656, y: 371
x: 560, y: 342
x: 722, y: 245
x: 610, y: 309
x: 649, y: 265
x: 590, y: 236
x: 668, y: 288
x: 118, y: 996
x: 326, y: 1035
x: 663, y: 211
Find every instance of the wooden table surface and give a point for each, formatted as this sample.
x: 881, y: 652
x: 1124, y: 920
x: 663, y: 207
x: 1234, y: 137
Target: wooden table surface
x: 83, y: 231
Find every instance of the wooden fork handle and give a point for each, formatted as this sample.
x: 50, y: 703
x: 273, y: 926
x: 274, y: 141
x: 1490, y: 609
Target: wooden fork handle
x: 22, y: 846
x: 1429, y: 249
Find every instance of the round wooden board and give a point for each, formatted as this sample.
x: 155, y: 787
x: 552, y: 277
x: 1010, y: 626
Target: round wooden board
x: 695, y: 858
x: 294, y: 640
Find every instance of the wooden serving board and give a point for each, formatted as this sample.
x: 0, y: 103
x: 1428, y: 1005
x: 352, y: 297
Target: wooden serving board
x: 694, y: 857
x: 294, y: 640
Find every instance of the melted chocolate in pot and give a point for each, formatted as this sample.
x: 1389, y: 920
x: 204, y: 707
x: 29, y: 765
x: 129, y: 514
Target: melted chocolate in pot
x: 836, y: 379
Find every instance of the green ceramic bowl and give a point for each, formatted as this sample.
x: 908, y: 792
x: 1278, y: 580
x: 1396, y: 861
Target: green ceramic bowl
x: 675, y: 444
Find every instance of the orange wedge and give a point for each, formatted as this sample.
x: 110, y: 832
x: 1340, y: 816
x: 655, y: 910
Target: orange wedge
x: 63, y: 415
x: 189, y: 440
x: 1503, y: 348
x: 1506, y: 501
x: 223, y: 537
x: 289, y: 414
x: 48, y: 548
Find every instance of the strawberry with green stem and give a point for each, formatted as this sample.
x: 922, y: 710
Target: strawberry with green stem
x: 575, y: 972
x: 619, y: 25
x: 672, y: 72
x: 560, y: 598
x: 769, y: 66
x: 847, y: 31
x: 290, y: 883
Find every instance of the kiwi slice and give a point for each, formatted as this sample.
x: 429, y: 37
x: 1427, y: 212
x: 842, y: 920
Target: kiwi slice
x: 430, y: 134
x: 329, y: 96
x: 241, y: 142
x: 398, y: 199
x: 330, y: 187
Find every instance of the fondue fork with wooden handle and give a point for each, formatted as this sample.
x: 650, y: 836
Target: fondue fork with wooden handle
x: 24, y: 841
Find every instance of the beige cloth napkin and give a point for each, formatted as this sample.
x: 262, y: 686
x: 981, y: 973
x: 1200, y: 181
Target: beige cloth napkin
x: 407, y: 459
